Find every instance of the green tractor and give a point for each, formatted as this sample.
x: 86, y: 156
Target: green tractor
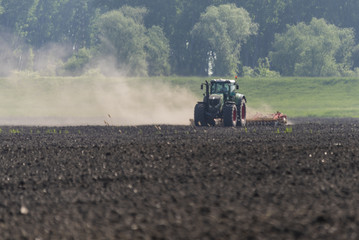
x: 221, y: 103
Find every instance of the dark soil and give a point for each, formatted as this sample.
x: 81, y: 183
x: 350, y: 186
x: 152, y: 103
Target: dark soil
x: 180, y: 182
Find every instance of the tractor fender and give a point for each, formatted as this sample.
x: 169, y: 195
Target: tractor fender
x: 243, y: 97
x: 240, y: 97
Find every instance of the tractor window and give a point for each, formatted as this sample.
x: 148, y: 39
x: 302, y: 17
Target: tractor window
x: 219, y: 88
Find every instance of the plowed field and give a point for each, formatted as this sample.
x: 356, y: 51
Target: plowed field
x: 179, y: 182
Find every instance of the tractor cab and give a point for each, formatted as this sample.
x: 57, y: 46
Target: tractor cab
x: 225, y: 87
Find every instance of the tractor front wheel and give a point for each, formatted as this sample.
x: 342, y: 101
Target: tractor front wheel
x: 199, y: 115
x: 230, y: 115
x: 242, y: 114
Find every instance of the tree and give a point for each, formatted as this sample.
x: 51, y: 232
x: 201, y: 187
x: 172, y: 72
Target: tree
x: 37, y: 23
x: 268, y: 14
x: 1, y: 8
x: 316, y: 49
x: 77, y: 63
x: 157, y: 49
x: 60, y: 21
x: 138, y: 51
x: 217, y: 39
x: 123, y: 35
x: 14, y: 13
x: 76, y: 21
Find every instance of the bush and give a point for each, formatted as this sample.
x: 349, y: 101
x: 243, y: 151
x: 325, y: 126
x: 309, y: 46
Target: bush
x: 77, y: 63
x: 262, y: 70
x: 318, y: 49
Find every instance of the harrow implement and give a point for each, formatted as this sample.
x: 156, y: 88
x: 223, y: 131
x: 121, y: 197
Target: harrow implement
x: 277, y: 118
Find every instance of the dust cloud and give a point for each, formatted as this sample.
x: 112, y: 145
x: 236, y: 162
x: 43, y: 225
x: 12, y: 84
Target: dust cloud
x: 99, y: 101
x: 103, y: 96
x: 263, y: 110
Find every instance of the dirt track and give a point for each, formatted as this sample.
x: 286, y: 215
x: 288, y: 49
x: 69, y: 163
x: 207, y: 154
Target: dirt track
x: 179, y: 182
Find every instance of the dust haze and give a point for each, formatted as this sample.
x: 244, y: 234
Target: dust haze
x: 263, y: 109
x: 103, y: 101
x: 103, y: 96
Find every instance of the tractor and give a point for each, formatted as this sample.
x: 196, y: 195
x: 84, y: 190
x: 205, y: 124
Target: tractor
x: 221, y: 103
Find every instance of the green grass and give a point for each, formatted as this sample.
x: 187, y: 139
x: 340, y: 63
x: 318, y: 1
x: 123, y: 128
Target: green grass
x: 297, y: 97
x: 318, y: 97
x: 294, y: 96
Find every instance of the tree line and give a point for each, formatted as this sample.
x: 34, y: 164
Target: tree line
x: 182, y: 37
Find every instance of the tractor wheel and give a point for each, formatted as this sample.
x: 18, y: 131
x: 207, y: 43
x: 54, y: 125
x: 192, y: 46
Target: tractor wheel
x: 242, y: 114
x: 230, y: 115
x: 199, y: 115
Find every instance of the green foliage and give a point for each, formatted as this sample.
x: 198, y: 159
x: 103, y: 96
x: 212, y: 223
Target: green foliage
x: 316, y: 49
x: 36, y: 24
x: 1, y: 8
x: 45, y: 21
x: 14, y: 131
x: 218, y: 36
x: 262, y: 70
x: 124, y: 36
x: 138, y: 51
x: 158, y: 51
x: 76, y: 64
x: 355, y: 56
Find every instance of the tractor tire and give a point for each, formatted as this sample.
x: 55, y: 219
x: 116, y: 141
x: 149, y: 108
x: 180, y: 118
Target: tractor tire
x: 242, y: 114
x: 199, y: 115
x: 230, y: 116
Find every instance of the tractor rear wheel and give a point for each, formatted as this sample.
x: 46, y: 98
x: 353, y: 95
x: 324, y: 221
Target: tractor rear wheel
x: 242, y: 114
x: 199, y: 115
x: 230, y: 115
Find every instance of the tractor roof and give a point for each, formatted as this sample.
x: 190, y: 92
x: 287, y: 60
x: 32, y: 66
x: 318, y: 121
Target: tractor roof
x: 223, y: 81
